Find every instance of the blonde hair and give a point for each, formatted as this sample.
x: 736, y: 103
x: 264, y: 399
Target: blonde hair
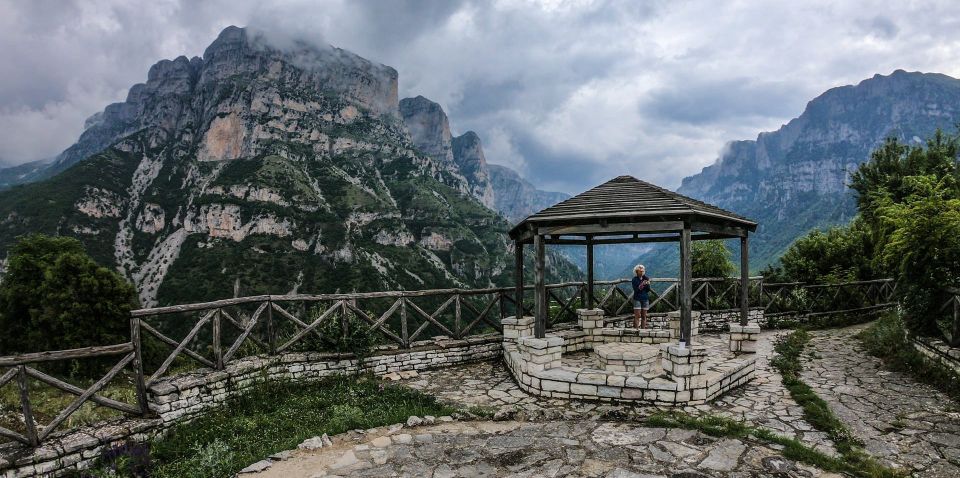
x: 638, y: 267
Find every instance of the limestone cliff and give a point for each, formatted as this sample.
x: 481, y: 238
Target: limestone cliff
x: 260, y: 169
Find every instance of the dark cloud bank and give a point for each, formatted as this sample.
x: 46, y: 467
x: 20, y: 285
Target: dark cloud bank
x: 570, y: 94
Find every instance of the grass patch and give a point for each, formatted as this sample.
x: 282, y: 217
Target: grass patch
x: 276, y: 416
x: 818, y: 414
x: 886, y: 339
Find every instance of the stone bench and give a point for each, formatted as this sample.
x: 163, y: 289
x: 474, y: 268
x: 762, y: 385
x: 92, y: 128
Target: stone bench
x: 634, y: 335
x: 627, y: 357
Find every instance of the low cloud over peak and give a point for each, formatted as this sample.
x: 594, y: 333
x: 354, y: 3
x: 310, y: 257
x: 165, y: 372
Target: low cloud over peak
x: 570, y: 93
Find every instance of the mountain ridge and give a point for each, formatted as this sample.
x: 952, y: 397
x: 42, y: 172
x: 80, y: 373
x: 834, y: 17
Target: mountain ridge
x: 258, y: 170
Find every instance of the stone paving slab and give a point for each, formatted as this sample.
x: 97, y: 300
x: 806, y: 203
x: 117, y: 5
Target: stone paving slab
x: 581, y: 448
x: 762, y: 402
x: 901, y: 422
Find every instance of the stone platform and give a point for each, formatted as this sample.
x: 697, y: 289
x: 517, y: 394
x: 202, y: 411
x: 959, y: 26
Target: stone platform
x: 633, y: 365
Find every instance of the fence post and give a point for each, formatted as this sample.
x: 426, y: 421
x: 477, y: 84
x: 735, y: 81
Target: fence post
x: 138, y: 364
x: 503, y: 306
x: 955, y: 337
x: 405, y: 334
x: 271, y: 333
x: 456, y: 316
x: 217, y: 348
x: 29, y: 423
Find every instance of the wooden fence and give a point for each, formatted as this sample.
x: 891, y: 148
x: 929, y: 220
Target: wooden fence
x: 22, y: 372
x: 211, y: 334
x: 951, y: 311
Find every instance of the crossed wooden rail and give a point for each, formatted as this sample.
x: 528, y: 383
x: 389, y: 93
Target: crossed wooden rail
x: 21, y: 371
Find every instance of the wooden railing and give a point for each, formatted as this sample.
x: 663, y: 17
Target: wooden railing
x: 211, y: 334
x: 951, y: 310
x: 18, y: 368
x: 821, y: 299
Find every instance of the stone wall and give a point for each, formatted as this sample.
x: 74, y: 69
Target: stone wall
x: 184, y: 397
x: 938, y: 351
x: 710, y: 320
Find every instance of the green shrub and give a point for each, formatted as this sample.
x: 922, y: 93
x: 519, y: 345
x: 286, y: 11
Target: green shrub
x: 711, y: 259
x: 54, y: 296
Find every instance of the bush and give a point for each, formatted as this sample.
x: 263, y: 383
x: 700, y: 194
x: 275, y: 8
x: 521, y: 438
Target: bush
x: 839, y: 254
x: 54, y: 296
x: 711, y: 259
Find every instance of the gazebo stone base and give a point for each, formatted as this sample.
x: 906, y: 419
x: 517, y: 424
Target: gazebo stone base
x: 743, y: 338
x: 534, y: 365
x: 627, y: 357
x: 673, y: 318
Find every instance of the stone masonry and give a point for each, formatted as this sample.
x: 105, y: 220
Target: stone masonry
x: 183, y: 397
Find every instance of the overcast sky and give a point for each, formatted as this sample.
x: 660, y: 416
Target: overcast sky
x: 568, y: 93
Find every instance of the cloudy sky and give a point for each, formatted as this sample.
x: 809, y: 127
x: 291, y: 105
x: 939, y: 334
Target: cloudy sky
x: 568, y: 93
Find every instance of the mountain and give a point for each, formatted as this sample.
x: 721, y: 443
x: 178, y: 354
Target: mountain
x: 516, y: 198
x: 258, y: 169
x: 497, y: 187
x: 795, y: 179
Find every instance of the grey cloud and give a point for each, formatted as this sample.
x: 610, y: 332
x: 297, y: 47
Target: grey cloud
x: 570, y: 93
x: 703, y: 101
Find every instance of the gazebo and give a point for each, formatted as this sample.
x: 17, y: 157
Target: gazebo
x: 627, y: 210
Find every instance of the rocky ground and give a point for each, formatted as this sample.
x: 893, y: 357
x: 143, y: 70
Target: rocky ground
x: 571, y: 448
x: 902, y: 423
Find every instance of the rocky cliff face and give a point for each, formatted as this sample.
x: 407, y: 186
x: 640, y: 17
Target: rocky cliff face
x: 262, y: 170
x: 794, y: 179
x: 497, y: 187
x: 515, y: 197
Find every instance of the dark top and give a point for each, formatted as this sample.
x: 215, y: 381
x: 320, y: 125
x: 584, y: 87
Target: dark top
x: 638, y: 292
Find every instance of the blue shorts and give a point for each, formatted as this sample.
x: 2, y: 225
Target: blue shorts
x: 643, y: 304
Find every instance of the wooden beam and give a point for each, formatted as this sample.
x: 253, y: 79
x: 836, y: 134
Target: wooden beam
x: 617, y: 228
x: 85, y: 352
x: 589, y: 304
x: 725, y: 231
x: 518, y: 288
x: 540, y: 290
x: 744, y: 280
x: 686, y: 273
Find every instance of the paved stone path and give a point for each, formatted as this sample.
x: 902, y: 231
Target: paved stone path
x: 900, y: 421
x: 762, y: 402
x: 581, y: 448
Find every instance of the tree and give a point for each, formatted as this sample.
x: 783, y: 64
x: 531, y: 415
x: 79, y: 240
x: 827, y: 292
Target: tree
x: 839, y: 254
x: 54, y: 296
x: 923, y: 246
x: 711, y: 259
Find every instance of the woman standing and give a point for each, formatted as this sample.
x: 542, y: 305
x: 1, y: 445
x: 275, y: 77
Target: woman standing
x: 641, y: 296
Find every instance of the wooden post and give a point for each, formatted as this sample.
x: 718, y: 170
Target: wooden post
x: 518, y: 290
x: 955, y: 337
x: 138, y: 365
x: 456, y: 316
x: 589, y: 304
x: 28, y: 421
x: 540, y: 289
x: 744, y: 280
x: 405, y: 333
x: 686, y: 283
x: 217, y: 348
x: 271, y: 334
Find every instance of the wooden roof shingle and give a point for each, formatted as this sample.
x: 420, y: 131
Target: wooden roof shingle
x: 626, y: 199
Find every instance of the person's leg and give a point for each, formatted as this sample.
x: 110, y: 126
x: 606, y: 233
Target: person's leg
x: 643, y: 318
x: 637, y: 311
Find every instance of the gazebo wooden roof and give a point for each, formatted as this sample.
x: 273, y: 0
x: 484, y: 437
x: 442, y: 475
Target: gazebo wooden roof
x: 628, y: 210
x: 616, y: 207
